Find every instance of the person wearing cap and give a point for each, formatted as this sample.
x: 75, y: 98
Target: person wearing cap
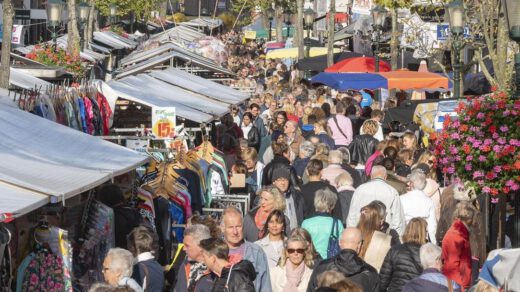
x: 293, y: 198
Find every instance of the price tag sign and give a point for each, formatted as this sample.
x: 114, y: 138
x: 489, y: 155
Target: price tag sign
x: 163, y: 122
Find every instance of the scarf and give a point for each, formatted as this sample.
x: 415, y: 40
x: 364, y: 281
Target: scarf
x: 197, y: 270
x: 294, y: 276
x: 260, y: 218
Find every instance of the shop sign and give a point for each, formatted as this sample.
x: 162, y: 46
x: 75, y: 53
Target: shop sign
x: 163, y: 122
x: 443, y: 32
x: 250, y: 35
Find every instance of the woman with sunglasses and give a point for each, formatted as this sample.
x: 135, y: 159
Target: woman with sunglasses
x: 273, y: 237
x: 295, y: 267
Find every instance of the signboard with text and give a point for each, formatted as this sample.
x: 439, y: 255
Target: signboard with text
x: 16, y: 36
x: 163, y: 122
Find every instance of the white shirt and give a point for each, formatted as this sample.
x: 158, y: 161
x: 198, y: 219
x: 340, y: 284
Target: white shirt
x: 417, y: 204
x: 377, y: 189
x: 379, y: 134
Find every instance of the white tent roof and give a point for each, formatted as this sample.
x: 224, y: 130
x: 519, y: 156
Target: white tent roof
x: 153, y: 92
x: 200, y: 85
x: 20, y: 201
x: 46, y: 157
x: 26, y: 81
x: 114, y: 40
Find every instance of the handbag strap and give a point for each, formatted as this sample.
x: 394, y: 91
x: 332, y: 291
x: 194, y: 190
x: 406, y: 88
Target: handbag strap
x: 450, y: 285
x: 337, y: 125
x: 229, y: 276
x: 334, y: 232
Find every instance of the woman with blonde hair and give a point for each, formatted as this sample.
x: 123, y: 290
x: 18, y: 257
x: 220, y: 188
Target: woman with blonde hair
x: 375, y: 243
x: 321, y: 130
x: 294, y: 270
x: 403, y: 261
x: 363, y: 146
x: 270, y: 199
x: 409, y: 141
x: 305, y: 234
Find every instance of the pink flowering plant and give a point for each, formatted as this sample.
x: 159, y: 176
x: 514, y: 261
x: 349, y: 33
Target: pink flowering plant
x: 481, y: 145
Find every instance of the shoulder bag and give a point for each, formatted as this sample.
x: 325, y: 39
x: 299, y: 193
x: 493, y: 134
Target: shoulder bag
x: 333, y: 247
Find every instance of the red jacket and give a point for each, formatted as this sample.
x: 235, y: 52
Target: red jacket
x: 456, y: 254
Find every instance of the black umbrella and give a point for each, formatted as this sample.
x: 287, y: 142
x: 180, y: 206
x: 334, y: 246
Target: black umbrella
x: 319, y: 63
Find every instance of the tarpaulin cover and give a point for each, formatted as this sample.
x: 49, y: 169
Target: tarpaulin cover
x: 200, y: 85
x: 346, y: 81
x: 19, y: 201
x: 403, y: 79
x: 359, y: 65
x: 176, y: 95
x: 151, y: 98
x: 26, y: 81
x: 53, y: 159
x: 319, y: 63
x: 293, y: 52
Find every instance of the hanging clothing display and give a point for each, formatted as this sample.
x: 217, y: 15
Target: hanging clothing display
x: 97, y: 239
x: 48, y: 267
x: 83, y: 108
x: 6, y: 271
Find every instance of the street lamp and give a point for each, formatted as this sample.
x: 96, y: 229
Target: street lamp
x: 308, y: 16
x: 287, y: 14
x: 512, y: 13
x: 456, y: 18
x: 83, y: 13
x: 113, y: 13
x: 378, y: 19
x: 269, y: 12
x: 54, y: 17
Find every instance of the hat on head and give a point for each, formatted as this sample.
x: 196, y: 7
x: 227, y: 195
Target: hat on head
x: 281, y: 172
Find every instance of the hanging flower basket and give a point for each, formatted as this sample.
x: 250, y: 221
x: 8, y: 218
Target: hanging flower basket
x: 60, y: 58
x: 481, y: 146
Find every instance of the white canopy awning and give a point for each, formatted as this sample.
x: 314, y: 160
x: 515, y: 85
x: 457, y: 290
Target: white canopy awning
x: 46, y: 157
x: 154, y: 92
x: 116, y: 90
x: 114, y: 40
x: 26, y: 81
x: 19, y: 201
x: 200, y: 85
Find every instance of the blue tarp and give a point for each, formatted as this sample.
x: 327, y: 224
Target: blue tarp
x: 356, y: 81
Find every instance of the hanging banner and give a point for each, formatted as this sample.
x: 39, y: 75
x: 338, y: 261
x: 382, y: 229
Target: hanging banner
x: 16, y: 36
x: 163, y: 122
x: 362, y: 6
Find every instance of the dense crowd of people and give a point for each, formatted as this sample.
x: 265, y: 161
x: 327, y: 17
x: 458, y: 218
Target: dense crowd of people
x: 337, y: 204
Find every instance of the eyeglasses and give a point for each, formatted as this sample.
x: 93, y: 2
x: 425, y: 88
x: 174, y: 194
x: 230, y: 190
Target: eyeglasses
x: 431, y: 161
x: 298, y: 250
x: 105, y: 269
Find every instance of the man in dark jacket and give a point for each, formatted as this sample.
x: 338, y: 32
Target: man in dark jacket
x: 193, y: 274
x: 229, y: 277
x: 349, y: 263
x: 431, y: 280
x: 315, y: 183
x: 281, y: 159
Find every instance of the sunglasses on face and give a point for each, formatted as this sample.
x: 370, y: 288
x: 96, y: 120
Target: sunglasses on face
x: 298, y: 250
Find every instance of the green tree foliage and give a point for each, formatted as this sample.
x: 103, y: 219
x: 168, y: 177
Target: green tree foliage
x: 395, y: 3
x: 141, y: 8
